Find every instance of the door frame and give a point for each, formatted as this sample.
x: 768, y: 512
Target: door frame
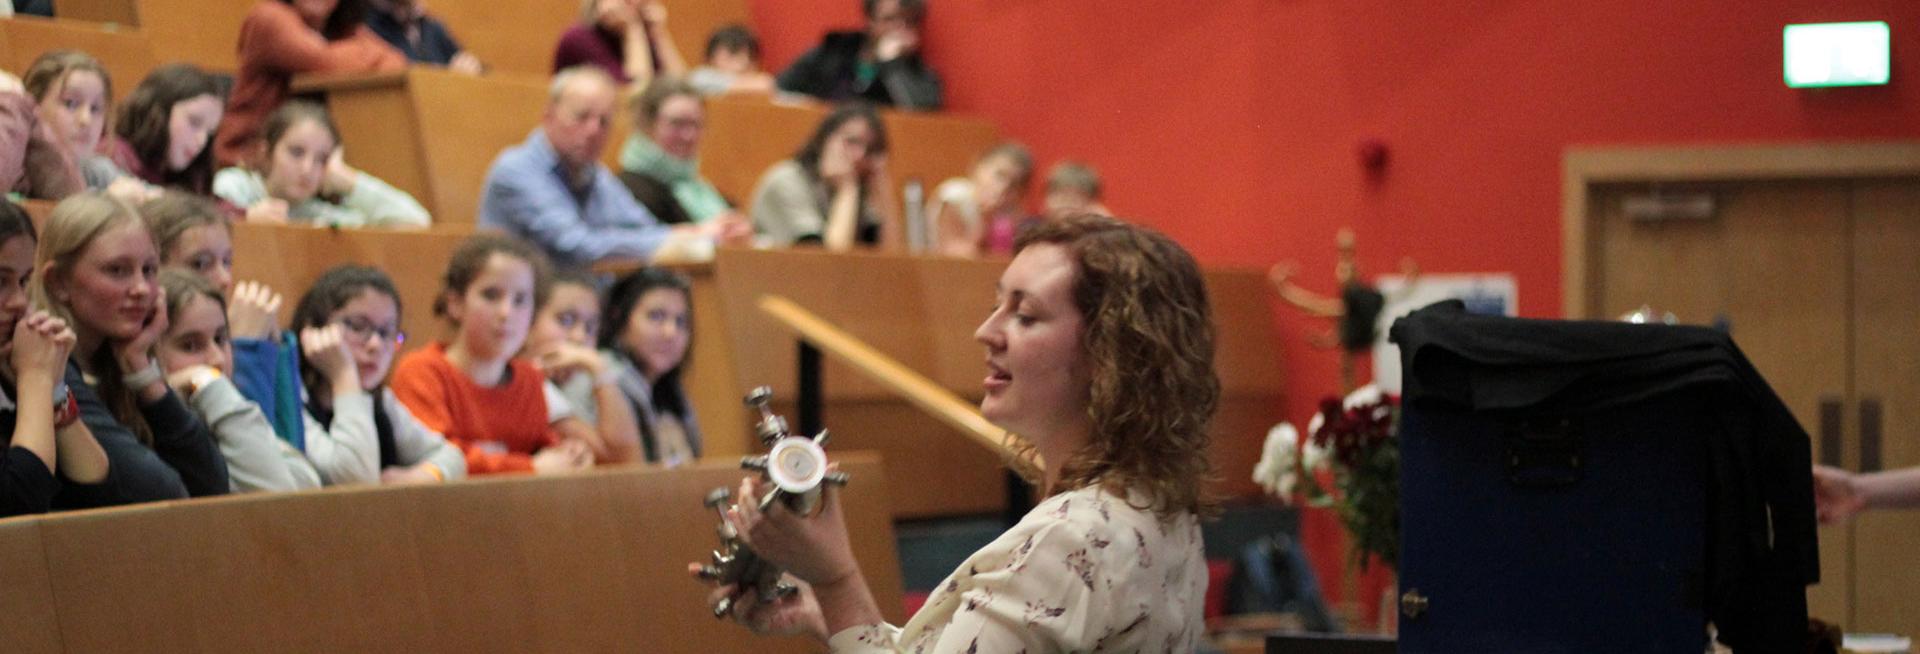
x: 1584, y: 166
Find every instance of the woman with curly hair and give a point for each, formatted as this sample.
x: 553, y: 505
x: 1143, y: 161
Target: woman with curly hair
x: 1100, y: 359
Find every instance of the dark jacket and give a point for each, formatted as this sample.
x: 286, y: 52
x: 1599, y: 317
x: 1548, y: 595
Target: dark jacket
x: 183, y: 462
x: 656, y: 196
x: 831, y: 71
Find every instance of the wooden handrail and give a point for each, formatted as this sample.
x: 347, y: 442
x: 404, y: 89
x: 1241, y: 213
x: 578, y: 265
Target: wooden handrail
x: 916, y: 388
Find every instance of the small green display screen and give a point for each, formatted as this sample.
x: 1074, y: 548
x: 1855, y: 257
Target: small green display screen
x: 1838, y: 54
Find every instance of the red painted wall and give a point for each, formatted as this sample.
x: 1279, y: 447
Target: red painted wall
x: 1233, y: 124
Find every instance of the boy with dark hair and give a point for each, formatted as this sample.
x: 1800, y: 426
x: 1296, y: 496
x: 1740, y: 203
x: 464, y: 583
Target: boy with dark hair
x: 733, y: 64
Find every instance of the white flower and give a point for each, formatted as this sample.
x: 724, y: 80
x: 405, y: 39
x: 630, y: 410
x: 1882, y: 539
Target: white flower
x: 1313, y: 455
x: 1278, y: 469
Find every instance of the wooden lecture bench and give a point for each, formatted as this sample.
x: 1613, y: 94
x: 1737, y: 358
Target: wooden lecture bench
x: 125, y: 52
x: 588, y: 562
x: 510, y: 36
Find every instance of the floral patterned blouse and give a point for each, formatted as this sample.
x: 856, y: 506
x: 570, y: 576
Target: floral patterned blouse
x: 1082, y: 572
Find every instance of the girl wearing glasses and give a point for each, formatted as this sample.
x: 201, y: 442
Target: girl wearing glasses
x: 197, y: 356
x: 357, y: 431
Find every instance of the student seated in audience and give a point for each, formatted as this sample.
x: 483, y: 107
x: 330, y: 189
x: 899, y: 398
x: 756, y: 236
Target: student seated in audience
x: 1073, y: 188
x: 56, y: 144
x: 733, y: 64
x: 553, y: 191
x: 981, y: 214
x: 405, y: 25
x: 497, y: 407
x: 648, y: 329
x: 194, y: 235
x: 284, y: 38
x: 881, y: 64
x: 95, y: 269
x: 302, y: 176
x: 357, y: 432
x: 197, y: 354
x: 562, y: 345
x: 835, y: 191
x: 43, y: 443
x: 627, y: 39
x: 659, y: 162
x: 165, y: 129
x: 1100, y: 351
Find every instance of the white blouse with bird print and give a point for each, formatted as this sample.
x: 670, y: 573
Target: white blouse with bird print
x: 1083, y: 572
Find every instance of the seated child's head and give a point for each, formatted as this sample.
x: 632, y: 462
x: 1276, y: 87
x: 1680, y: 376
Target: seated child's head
x: 1001, y: 176
x: 570, y: 315
x: 196, y: 325
x: 649, y: 319
x: 170, y: 117
x: 194, y: 235
x: 299, y: 137
x: 71, y: 92
x: 494, y: 284
x: 734, y: 49
x: 1072, y: 188
x: 95, y: 268
x: 363, y: 302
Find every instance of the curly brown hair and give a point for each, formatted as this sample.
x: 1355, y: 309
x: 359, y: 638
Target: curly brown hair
x: 1148, y: 340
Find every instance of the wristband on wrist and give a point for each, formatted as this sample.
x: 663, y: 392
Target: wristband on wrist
x: 146, y: 377
x: 66, y: 412
x: 434, y: 469
x: 201, y: 378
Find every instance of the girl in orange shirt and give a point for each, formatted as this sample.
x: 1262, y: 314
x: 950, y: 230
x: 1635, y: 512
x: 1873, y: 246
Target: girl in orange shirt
x: 496, y: 407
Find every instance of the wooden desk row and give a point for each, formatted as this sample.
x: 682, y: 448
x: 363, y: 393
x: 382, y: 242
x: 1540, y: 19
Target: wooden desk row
x: 434, y: 134
x: 591, y: 562
x: 511, y: 36
x: 125, y: 52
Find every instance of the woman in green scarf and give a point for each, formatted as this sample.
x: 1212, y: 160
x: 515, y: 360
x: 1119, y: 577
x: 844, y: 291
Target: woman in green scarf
x: 658, y: 162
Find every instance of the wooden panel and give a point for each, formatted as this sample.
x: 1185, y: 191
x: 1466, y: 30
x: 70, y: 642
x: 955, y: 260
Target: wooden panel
x: 125, y: 52
x: 1886, y: 334
x: 430, y: 132
x: 26, y: 608
x: 1774, y: 264
x: 202, y: 32
x: 295, y: 572
x: 464, y: 124
x: 119, y: 12
x: 290, y: 257
x: 587, y: 562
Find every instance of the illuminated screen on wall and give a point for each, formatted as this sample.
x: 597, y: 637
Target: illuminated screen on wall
x: 1838, y: 54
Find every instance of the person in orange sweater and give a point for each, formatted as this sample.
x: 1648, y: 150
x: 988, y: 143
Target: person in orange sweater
x: 284, y: 38
x: 496, y: 407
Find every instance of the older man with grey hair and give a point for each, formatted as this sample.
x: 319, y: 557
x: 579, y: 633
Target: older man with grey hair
x: 553, y: 190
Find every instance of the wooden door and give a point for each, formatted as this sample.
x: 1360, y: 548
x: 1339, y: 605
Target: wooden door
x: 1886, y: 292
x: 1772, y: 262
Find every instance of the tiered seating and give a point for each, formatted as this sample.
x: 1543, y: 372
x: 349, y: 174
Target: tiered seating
x: 511, y: 36
x: 593, y: 562
x: 434, y: 134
